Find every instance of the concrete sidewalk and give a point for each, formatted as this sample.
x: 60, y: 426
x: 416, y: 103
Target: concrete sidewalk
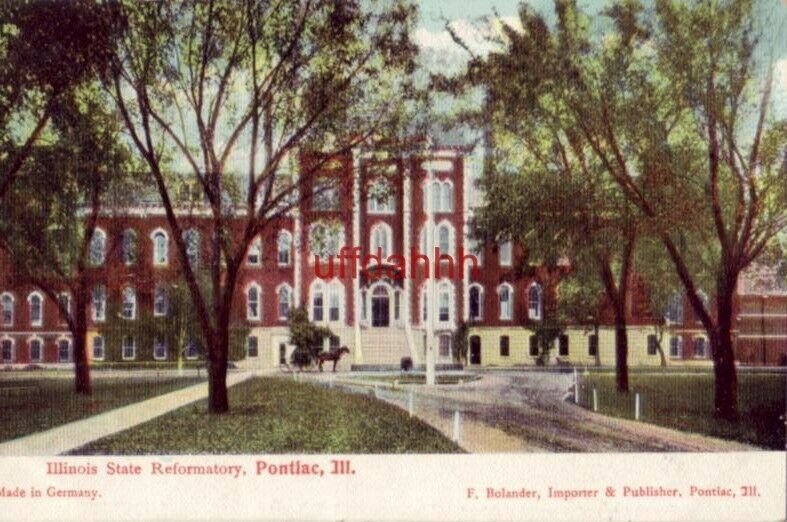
x: 70, y: 436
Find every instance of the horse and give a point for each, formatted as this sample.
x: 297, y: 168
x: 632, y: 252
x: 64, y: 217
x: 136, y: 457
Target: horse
x: 333, y: 355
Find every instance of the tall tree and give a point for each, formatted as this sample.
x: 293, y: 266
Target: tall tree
x: 673, y: 104
x: 213, y: 82
x: 47, y: 49
x: 49, y: 229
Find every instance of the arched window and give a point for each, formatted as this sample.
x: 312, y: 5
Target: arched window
x: 504, y: 252
x: 36, y: 309
x: 335, y: 301
x: 534, y: 304
x: 191, y: 238
x: 447, y: 197
x: 129, y: 310
x: 475, y: 305
x: 98, y: 247
x: 7, y: 348
x: 160, y: 247
x: 444, y: 239
x: 284, y: 244
x: 254, y: 254
x: 253, y: 310
x: 381, y: 240
x: 160, y: 301
x: 505, y: 293
x: 129, y: 246
x: 36, y: 349
x: 99, y: 303
x: 318, y: 302
x: 285, y: 301
x: 7, y: 304
x: 64, y: 350
x: 326, y: 239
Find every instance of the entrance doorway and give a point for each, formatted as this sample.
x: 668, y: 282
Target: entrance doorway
x: 381, y: 307
x: 475, y: 350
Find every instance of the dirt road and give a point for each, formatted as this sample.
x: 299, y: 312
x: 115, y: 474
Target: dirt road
x: 529, y: 408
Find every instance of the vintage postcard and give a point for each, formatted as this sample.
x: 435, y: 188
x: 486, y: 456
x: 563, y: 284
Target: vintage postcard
x: 393, y: 260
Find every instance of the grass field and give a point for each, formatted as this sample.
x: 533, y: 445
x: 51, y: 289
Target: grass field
x: 270, y: 415
x: 31, y: 405
x: 685, y: 402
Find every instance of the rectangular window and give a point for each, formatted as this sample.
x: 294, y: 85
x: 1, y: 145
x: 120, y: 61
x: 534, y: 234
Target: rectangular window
x: 505, y: 253
x: 653, y: 345
x: 35, y: 350
x: 533, y: 346
x: 562, y: 348
x: 445, y: 346
x: 252, y: 348
x: 444, y: 307
x: 317, y: 307
x: 64, y: 350
x: 593, y: 345
x: 504, y: 349
x: 8, y: 351
x: 254, y: 255
x: 129, y: 349
x: 98, y: 348
x: 159, y: 349
x: 675, y: 346
x: 699, y: 347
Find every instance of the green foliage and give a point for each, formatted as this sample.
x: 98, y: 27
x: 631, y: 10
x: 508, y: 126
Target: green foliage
x: 306, y: 336
x: 461, y: 342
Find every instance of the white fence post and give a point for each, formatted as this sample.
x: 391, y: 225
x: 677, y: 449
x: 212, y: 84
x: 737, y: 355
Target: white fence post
x: 636, y: 406
x: 457, y: 426
x: 595, y: 399
x: 576, y: 386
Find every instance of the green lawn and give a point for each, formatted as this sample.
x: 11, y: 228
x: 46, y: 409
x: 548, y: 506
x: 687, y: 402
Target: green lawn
x: 685, y: 402
x: 37, y: 404
x: 275, y: 415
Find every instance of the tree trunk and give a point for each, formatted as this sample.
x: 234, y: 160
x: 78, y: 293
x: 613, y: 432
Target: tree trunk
x: 621, y: 350
x: 81, y: 365
x: 218, y: 402
x: 726, y: 381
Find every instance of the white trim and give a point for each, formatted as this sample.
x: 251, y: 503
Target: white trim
x: 680, y: 347
x: 278, y: 300
x: 94, y: 316
x: 123, y: 348
x: 153, y: 235
x: 386, y: 229
x: 103, y: 348
x: 98, y: 232
x: 481, y: 293
x: 258, y: 316
x: 4, y: 339
x: 255, y: 244
x: 510, y: 258
x: 283, y: 233
x: 29, y: 343
x: 3, y: 297
x: 133, y: 303
x: 766, y: 336
x: 510, y: 315
x: 70, y: 349
x: 539, y: 313
x: 40, y: 297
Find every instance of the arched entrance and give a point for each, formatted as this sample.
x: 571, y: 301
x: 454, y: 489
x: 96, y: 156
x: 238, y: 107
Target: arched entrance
x: 381, y: 306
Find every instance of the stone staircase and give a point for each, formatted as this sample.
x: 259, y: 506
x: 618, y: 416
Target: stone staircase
x: 384, y: 346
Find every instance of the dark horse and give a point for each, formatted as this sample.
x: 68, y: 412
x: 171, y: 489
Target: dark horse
x: 333, y: 355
